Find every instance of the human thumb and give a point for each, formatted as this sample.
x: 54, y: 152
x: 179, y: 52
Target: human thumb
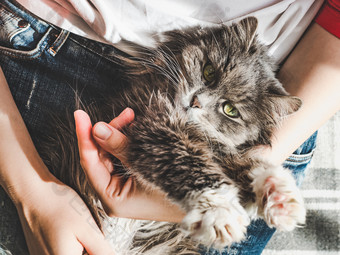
x: 110, y: 139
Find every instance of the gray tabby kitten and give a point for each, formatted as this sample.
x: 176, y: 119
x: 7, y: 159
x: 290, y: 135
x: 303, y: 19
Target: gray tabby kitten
x: 204, y: 100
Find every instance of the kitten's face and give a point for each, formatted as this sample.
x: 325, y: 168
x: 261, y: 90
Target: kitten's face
x: 228, y: 87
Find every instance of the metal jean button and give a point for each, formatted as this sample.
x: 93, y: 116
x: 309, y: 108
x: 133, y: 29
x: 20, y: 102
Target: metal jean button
x: 22, y: 23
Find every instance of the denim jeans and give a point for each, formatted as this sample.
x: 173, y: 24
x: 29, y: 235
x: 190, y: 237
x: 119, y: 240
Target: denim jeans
x: 44, y: 66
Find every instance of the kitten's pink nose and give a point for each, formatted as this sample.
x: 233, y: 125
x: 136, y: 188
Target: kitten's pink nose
x: 195, y: 103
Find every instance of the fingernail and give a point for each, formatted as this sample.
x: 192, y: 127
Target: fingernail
x: 125, y: 111
x: 102, y: 131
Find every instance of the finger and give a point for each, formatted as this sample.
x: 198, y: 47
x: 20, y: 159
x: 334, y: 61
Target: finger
x: 128, y: 188
x: 114, y: 186
x: 96, y: 173
x: 126, y: 117
x: 83, y: 130
x: 120, y: 188
x: 110, y: 139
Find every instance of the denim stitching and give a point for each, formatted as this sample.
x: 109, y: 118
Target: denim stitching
x: 95, y: 52
x: 32, y: 54
x: 58, y: 43
x: 16, y: 12
x: 16, y: 32
x: 304, y: 158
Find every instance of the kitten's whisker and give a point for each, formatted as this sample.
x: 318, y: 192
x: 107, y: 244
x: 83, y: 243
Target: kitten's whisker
x: 173, y: 61
x: 170, y: 61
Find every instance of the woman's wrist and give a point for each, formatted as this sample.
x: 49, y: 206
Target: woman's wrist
x: 20, y: 189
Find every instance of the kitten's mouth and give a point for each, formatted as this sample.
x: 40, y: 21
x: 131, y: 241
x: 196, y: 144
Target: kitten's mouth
x: 194, y: 103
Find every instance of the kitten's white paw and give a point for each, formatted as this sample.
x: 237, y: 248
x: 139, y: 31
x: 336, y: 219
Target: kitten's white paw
x: 278, y: 198
x: 216, y: 218
x: 283, y: 206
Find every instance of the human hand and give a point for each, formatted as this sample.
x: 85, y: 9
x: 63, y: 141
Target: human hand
x: 119, y: 198
x: 55, y: 220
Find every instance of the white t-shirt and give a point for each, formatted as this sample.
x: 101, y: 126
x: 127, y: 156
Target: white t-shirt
x: 281, y: 22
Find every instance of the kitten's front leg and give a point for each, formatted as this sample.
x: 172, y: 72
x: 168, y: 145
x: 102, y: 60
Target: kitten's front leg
x: 215, y: 216
x: 278, y: 198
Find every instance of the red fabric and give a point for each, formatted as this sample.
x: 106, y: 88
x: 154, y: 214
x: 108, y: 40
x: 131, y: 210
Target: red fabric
x: 329, y: 17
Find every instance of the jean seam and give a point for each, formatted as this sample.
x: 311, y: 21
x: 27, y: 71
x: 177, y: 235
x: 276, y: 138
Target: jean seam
x: 32, y: 54
x: 304, y: 158
x: 91, y: 50
x: 40, y: 48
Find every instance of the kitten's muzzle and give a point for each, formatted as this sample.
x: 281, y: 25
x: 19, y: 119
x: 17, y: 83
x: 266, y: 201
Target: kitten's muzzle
x: 194, y: 103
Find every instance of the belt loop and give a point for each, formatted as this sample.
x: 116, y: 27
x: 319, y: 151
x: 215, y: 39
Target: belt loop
x: 58, y: 43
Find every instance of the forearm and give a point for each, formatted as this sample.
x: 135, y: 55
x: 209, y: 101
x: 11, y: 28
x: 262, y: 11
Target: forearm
x: 20, y: 164
x: 312, y: 72
x: 149, y: 206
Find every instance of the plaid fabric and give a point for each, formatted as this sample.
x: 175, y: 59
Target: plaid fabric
x: 321, y: 190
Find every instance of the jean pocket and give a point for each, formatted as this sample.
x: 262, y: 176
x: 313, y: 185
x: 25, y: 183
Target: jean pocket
x: 301, y: 158
x: 20, y: 34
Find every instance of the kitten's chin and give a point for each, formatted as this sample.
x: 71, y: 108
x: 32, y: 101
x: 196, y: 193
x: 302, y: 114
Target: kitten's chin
x: 193, y: 114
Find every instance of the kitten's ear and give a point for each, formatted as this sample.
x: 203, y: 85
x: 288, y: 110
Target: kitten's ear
x: 284, y: 105
x: 246, y: 30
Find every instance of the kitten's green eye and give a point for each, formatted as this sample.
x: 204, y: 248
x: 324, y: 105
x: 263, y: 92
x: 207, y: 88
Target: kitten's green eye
x: 209, y: 72
x: 231, y: 110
